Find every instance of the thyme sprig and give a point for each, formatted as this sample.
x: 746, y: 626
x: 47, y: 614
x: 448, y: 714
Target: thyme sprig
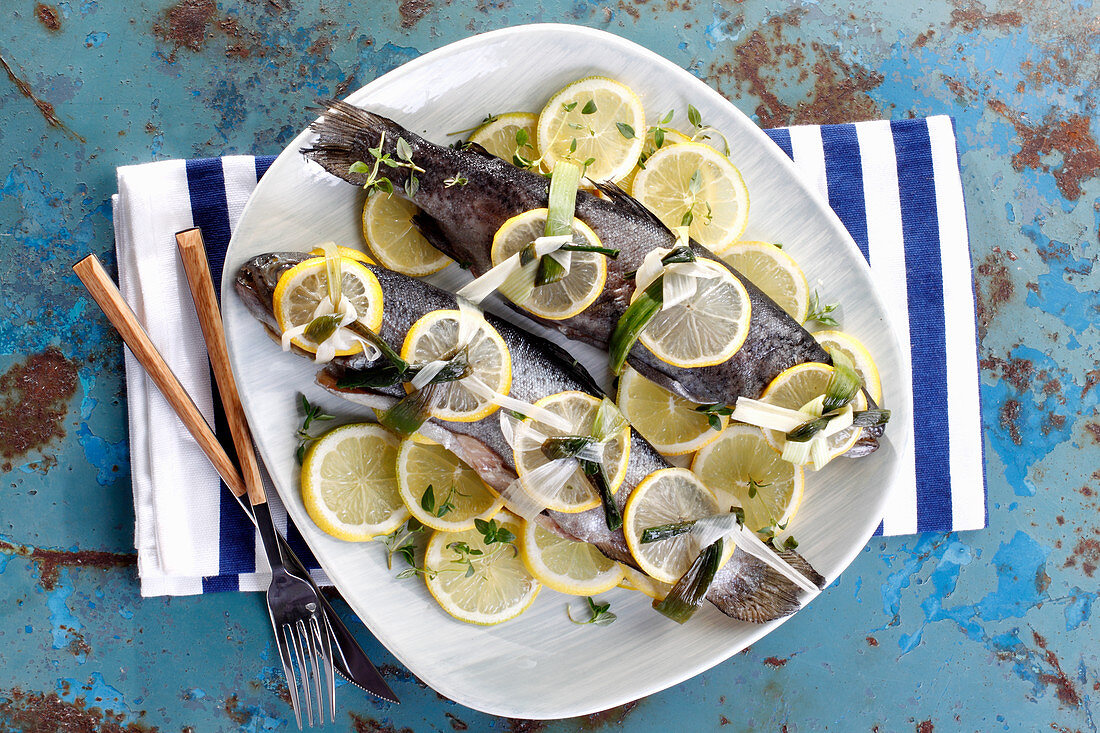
x: 598, y: 613
x: 311, y: 413
x: 821, y: 312
x: 376, y: 182
x: 713, y: 413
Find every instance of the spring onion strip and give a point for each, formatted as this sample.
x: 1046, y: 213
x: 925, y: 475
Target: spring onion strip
x: 479, y: 289
x: 334, y: 277
x: 562, y: 199
x: 766, y: 415
x: 534, y: 490
x: 709, y: 529
x: 341, y: 339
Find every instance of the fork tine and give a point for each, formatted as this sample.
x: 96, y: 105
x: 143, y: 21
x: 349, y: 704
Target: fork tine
x: 293, y: 633
x: 326, y: 654
x: 283, y: 642
x: 316, y: 668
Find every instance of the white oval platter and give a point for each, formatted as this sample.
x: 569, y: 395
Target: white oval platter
x: 540, y: 665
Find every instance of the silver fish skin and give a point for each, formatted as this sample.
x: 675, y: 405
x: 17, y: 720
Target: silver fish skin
x: 461, y: 221
x: 744, y: 588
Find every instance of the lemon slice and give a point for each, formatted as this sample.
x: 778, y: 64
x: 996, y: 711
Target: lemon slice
x: 695, y: 178
x: 649, y: 147
x: 669, y: 422
x: 639, y: 581
x: 860, y: 356
x: 349, y: 485
x: 663, y: 497
x: 458, y: 496
x: 706, y: 329
x: 301, y: 289
x: 574, y: 292
x: 567, y: 566
x: 499, y: 587
x: 435, y: 336
x: 773, y: 271
x: 498, y: 136
x: 579, y: 409
x: 604, y: 118
x: 348, y: 252
x: 796, y: 386
x: 743, y: 470
x: 395, y: 241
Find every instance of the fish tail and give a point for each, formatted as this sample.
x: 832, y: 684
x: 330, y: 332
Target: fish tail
x: 760, y: 594
x: 345, y: 133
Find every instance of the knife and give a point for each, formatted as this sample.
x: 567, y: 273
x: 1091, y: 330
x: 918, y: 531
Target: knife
x: 351, y: 661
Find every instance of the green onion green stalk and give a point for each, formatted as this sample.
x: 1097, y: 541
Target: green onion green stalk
x: 687, y: 595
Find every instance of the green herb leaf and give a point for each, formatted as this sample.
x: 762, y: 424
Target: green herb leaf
x: 687, y: 218
x: 412, y: 185
x: 569, y: 107
x: 599, y: 614
x: 790, y: 543
x: 589, y: 107
x: 358, y: 167
x: 625, y: 130
x: 427, y: 501
x: 522, y: 138
x: 659, y: 137
x: 456, y: 180
x: 573, y: 145
x: 667, y: 118
x: 404, y: 150
x: 694, y: 117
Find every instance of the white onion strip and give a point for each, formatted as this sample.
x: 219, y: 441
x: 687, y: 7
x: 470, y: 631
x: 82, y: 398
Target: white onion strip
x: 710, y: 529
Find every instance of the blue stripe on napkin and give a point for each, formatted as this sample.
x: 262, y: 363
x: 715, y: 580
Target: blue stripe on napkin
x: 928, y: 348
x: 844, y: 173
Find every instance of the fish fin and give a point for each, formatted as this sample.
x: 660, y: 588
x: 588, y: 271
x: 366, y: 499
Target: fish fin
x: 624, y: 200
x: 430, y: 229
x: 479, y: 149
x: 344, y: 133
x: 751, y: 591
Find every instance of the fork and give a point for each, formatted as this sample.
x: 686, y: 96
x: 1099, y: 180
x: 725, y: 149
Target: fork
x: 301, y: 631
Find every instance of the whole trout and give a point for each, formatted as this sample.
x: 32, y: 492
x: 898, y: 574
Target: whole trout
x: 744, y: 587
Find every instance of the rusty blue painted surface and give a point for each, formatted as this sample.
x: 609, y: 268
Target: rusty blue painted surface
x: 985, y: 630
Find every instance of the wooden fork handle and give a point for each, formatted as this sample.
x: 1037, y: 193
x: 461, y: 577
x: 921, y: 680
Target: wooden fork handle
x: 193, y: 252
x: 104, y: 291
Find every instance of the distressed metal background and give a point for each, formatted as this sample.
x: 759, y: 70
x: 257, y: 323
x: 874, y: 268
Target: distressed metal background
x: 982, y: 631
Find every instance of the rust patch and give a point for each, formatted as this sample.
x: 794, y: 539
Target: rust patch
x: 44, y: 108
x: 1093, y: 430
x: 776, y: 662
x: 523, y: 725
x: 1010, y: 413
x: 456, y: 723
x: 922, y: 40
x: 184, y: 24
x: 370, y: 725
x: 1071, y: 138
x: 872, y: 641
x: 998, y: 289
x: 629, y: 10
x: 50, y: 562
x: 233, y: 710
x: 925, y: 726
x: 1091, y: 379
x: 48, y: 16
x: 37, y: 711
x: 614, y: 716
x: 1064, y: 688
x: 1087, y: 552
x: 839, y: 92
x: 1017, y: 372
x: 1053, y: 421
x: 974, y: 17
x: 1060, y: 520
x: 412, y: 11
x: 34, y: 399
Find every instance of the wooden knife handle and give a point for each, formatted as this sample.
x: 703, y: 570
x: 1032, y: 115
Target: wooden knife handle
x: 195, y: 264
x: 104, y: 291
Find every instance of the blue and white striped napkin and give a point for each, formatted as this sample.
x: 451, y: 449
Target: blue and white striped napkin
x: 895, y: 185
